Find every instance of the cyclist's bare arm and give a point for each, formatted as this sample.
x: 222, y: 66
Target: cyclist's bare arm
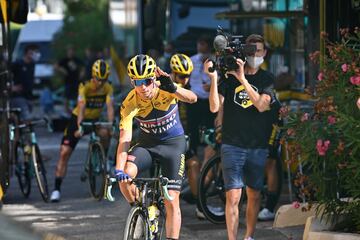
x: 185, y: 95
x: 81, y: 113
x: 123, y: 147
x: 110, y: 110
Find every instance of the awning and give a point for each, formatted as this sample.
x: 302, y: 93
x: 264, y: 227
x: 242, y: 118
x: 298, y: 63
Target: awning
x: 260, y: 14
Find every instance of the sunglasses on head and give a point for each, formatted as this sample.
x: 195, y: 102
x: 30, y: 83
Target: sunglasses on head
x: 183, y: 76
x: 146, y: 82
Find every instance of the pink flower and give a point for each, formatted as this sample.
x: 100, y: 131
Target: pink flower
x: 344, y: 67
x: 320, y: 77
x: 305, y: 117
x: 296, y: 204
x: 322, y: 147
x: 290, y: 132
x: 355, y: 80
x: 331, y: 120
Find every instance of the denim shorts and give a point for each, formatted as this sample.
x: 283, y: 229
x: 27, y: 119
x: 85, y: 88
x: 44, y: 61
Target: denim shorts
x: 243, y: 167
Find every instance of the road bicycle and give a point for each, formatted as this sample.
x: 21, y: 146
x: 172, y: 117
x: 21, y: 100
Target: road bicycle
x: 96, y: 162
x: 27, y: 158
x: 146, y: 219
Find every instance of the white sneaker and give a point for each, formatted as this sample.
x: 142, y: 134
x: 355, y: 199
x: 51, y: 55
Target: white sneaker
x: 199, y: 214
x: 139, y: 228
x: 265, y: 215
x: 249, y: 238
x: 55, y: 196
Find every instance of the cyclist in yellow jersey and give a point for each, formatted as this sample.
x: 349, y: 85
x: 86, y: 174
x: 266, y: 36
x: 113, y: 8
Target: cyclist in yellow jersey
x: 154, y: 104
x: 181, y: 68
x: 92, y: 97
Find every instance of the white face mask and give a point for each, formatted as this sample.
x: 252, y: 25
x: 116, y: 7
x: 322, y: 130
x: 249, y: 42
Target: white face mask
x: 255, y: 62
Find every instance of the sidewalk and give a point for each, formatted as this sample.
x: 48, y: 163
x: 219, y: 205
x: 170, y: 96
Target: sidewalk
x: 193, y: 228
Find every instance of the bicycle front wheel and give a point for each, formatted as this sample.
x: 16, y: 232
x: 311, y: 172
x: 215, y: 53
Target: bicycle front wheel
x: 96, y: 170
x: 40, y: 173
x: 22, y: 170
x: 137, y: 226
x: 211, y: 191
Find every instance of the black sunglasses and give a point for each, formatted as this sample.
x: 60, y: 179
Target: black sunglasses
x: 146, y: 82
x: 183, y: 76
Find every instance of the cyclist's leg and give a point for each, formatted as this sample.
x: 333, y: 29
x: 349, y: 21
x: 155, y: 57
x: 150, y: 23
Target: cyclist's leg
x: 172, y: 160
x: 139, y: 159
x: 68, y: 144
x: 272, y: 180
x: 104, y: 134
x: 193, y: 169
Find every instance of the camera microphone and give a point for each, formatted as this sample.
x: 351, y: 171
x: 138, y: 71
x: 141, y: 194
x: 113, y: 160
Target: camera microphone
x: 220, y: 43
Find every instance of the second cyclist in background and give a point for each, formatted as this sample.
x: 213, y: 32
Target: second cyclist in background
x: 92, y: 97
x: 181, y: 68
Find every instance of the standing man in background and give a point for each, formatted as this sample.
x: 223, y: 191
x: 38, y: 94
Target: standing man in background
x: 23, y: 81
x: 72, y: 70
x: 246, y: 96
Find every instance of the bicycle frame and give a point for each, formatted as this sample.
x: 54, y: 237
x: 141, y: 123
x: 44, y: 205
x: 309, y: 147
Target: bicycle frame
x: 151, y: 193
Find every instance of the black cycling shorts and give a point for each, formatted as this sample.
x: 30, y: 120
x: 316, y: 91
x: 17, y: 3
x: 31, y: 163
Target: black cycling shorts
x: 69, y: 138
x: 170, y: 154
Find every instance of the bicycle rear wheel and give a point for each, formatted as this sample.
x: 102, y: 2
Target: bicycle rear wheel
x: 211, y: 191
x: 22, y: 170
x: 137, y: 226
x: 96, y: 170
x: 40, y: 172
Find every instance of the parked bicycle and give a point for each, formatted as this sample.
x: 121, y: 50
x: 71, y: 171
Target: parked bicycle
x: 27, y: 158
x: 146, y: 219
x: 96, y: 162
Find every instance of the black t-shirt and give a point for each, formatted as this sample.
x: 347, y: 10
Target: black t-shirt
x: 73, y: 67
x: 243, y: 125
x: 23, y: 75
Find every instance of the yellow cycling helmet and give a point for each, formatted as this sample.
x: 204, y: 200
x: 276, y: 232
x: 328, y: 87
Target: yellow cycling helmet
x: 181, y: 64
x: 100, y: 69
x: 141, y: 67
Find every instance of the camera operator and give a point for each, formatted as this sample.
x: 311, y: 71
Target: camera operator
x: 246, y: 95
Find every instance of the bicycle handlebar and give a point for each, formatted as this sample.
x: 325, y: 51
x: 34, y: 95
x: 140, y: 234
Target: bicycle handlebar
x: 108, y: 194
x: 11, y: 110
x: 31, y: 123
x: 162, y: 180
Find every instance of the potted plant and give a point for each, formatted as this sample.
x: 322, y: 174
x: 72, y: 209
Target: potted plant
x: 326, y: 138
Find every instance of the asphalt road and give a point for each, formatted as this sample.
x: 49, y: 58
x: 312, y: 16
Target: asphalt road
x: 79, y: 216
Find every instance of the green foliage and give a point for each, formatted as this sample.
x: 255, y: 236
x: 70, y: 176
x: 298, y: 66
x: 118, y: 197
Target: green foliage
x: 328, y: 137
x: 85, y: 25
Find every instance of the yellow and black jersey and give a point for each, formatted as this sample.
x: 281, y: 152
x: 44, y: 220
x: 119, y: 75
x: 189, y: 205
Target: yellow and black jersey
x: 158, y: 117
x: 94, y: 99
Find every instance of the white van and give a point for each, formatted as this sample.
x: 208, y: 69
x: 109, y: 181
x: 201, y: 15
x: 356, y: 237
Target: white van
x: 40, y: 33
